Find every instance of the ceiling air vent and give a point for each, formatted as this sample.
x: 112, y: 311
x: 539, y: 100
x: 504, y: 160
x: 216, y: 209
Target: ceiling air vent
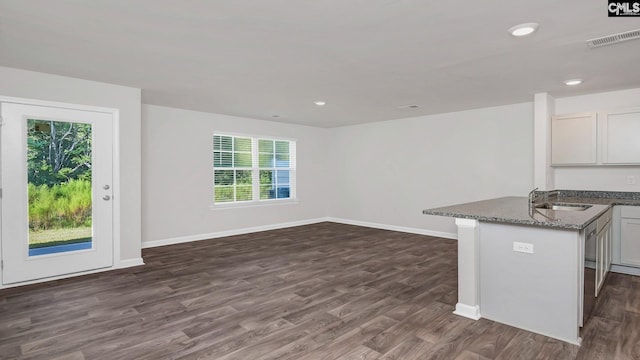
x: 613, y: 39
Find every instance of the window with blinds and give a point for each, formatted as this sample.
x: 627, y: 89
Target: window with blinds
x: 252, y: 169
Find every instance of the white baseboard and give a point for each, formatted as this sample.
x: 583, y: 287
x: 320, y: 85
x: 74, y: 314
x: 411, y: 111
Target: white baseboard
x: 122, y: 264
x: 219, y: 234
x: 577, y: 340
x: 468, y: 311
x: 409, y: 230
x: 629, y: 270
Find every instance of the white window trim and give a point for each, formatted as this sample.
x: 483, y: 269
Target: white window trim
x: 254, y: 203
x: 255, y: 170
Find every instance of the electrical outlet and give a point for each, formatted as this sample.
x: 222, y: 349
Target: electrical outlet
x: 631, y: 180
x: 523, y: 247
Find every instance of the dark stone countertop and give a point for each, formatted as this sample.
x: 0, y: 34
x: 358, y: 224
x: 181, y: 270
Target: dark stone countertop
x: 516, y: 210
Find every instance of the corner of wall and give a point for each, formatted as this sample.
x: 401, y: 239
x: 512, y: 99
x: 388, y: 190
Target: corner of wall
x: 544, y: 108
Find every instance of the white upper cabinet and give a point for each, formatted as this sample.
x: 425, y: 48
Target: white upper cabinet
x: 574, y: 139
x: 602, y: 138
x: 621, y: 137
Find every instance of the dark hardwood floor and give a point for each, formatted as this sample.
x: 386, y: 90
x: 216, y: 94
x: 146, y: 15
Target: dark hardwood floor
x: 324, y: 291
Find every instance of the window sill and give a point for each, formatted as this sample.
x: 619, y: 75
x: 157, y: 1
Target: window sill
x: 252, y: 204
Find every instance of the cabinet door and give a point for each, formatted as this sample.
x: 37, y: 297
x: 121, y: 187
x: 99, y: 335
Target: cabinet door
x: 599, y: 261
x: 590, y: 249
x: 608, y: 255
x: 603, y: 255
x: 621, y: 137
x: 574, y: 139
x: 630, y: 241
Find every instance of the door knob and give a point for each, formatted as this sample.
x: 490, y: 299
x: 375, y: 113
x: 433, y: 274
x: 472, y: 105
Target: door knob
x: 106, y: 198
x: 106, y: 187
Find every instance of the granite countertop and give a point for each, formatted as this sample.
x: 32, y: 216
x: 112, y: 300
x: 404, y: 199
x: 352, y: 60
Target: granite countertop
x: 516, y: 210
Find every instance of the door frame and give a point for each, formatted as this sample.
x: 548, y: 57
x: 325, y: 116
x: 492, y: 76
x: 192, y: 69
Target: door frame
x: 115, y: 113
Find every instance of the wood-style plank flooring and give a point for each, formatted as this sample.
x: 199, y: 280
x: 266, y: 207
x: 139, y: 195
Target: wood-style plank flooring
x: 323, y: 291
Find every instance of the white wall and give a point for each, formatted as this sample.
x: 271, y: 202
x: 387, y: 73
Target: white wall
x: 177, y: 176
x: 388, y: 172
x: 40, y: 86
x: 613, y: 178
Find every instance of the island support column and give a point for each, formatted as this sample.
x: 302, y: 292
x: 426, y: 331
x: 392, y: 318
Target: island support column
x: 468, y: 265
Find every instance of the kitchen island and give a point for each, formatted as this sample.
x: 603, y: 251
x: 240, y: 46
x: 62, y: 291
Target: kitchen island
x: 522, y: 265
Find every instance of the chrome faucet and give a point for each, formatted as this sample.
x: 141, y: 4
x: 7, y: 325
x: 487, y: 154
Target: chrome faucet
x: 532, y: 196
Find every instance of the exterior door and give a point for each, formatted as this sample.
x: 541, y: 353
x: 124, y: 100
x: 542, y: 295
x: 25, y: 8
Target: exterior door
x: 56, y: 171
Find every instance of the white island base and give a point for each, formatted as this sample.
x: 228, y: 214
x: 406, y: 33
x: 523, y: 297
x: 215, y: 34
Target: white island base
x: 540, y: 291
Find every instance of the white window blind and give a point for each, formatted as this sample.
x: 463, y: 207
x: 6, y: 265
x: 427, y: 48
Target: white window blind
x: 252, y: 169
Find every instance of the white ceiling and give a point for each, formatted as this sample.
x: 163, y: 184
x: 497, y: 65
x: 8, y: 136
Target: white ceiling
x: 259, y: 58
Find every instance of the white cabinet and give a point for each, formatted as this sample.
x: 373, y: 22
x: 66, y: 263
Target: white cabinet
x: 621, y: 137
x: 603, y: 249
x: 630, y: 235
x: 591, y: 138
x: 574, y: 139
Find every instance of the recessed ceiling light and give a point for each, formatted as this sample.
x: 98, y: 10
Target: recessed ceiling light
x: 320, y: 103
x: 523, y: 29
x: 573, y: 82
x: 410, y: 106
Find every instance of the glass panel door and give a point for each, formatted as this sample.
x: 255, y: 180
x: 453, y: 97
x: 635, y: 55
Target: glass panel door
x: 56, y: 171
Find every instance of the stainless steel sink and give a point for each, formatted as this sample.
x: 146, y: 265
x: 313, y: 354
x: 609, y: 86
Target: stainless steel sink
x: 563, y: 207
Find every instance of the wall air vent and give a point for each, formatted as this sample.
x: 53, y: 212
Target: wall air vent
x: 614, y: 39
